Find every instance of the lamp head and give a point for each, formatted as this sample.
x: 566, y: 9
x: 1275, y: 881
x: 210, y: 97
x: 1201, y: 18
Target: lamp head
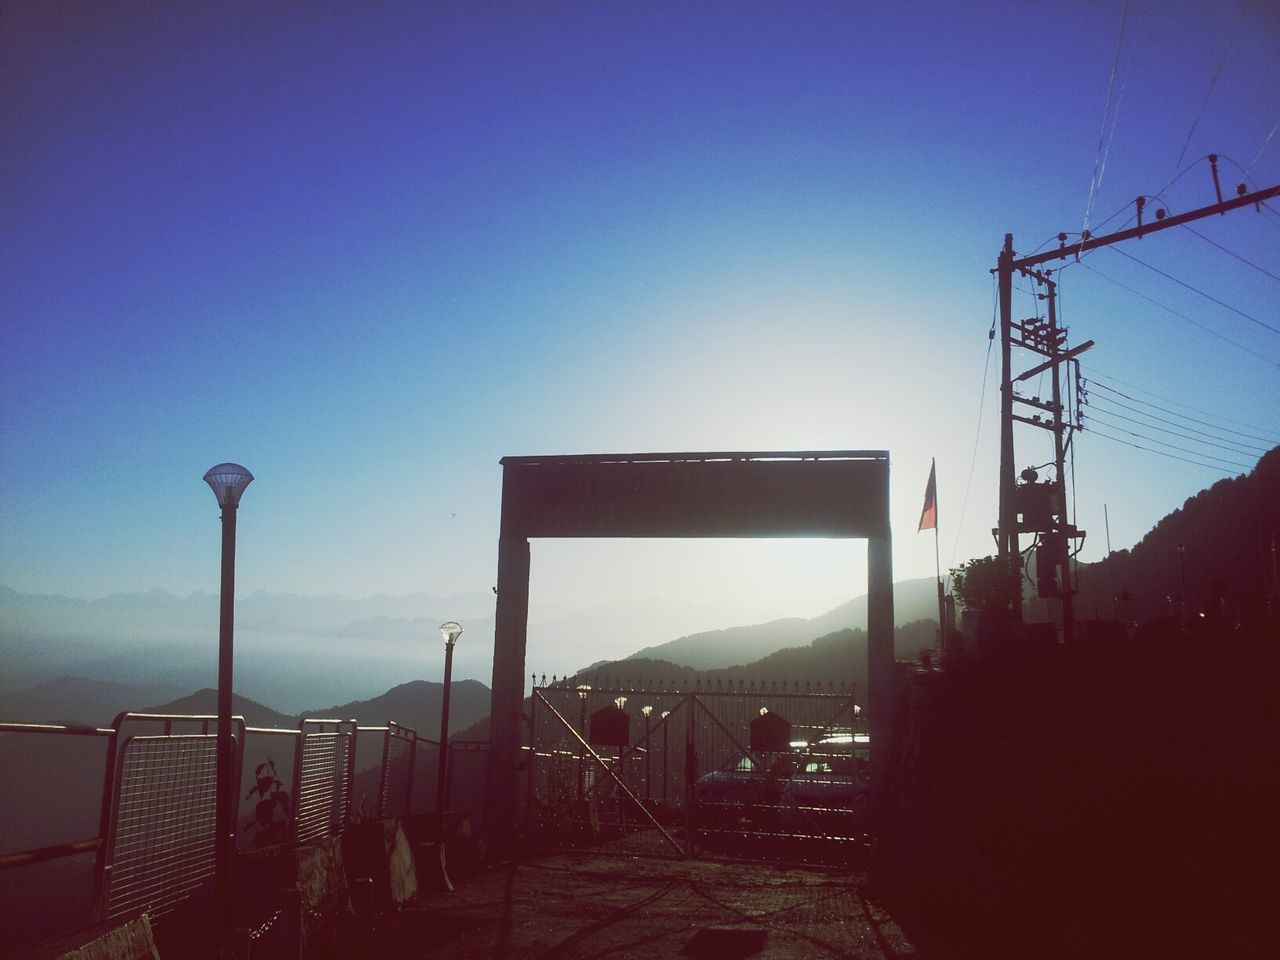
x: 646, y: 710
x: 227, y: 481
x: 450, y: 630
x: 583, y: 689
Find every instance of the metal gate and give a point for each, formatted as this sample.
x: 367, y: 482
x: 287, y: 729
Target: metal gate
x: 750, y: 770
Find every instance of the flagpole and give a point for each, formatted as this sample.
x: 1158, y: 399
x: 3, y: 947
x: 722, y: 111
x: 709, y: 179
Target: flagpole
x: 937, y: 562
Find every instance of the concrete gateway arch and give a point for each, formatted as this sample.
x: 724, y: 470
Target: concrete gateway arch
x: 824, y: 495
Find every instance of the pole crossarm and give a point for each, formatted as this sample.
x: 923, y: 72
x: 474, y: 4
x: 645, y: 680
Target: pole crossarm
x: 1057, y: 359
x: 1244, y: 200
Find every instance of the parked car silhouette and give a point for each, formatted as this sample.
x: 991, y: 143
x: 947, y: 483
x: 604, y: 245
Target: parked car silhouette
x: 814, y: 788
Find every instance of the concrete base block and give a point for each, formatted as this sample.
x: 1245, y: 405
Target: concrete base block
x: 133, y: 941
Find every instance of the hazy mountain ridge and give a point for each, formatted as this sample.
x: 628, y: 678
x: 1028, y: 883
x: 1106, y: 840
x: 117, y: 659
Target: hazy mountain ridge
x: 82, y: 702
x: 79, y: 701
x: 205, y: 702
x: 1227, y: 531
x: 416, y: 704
x: 913, y: 600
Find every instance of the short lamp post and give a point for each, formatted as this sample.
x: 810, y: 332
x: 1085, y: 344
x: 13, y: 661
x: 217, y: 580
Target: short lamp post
x: 663, y: 717
x: 228, y: 482
x: 648, y: 768
x: 450, y: 631
x: 583, y: 690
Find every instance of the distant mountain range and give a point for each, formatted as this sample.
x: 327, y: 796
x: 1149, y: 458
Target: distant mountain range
x: 79, y: 661
x: 80, y: 702
x: 293, y: 651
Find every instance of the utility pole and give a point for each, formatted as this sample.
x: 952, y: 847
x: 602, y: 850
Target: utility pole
x: 1040, y: 508
x: 1006, y: 534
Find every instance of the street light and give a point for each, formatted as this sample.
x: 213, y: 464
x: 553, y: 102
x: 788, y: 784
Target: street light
x: 1182, y: 580
x: 663, y: 717
x: 228, y: 482
x: 450, y: 631
x: 646, y: 710
x: 583, y: 690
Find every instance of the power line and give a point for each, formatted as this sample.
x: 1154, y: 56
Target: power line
x: 1095, y: 372
x: 1174, y: 446
x: 1250, y: 451
x: 982, y: 395
x: 1232, y: 253
x: 1196, y: 323
x: 1265, y: 144
x: 1213, y: 80
x: 1100, y: 162
x: 1159, y: 453
x: 1102, y: 386
x: 1207, y: 296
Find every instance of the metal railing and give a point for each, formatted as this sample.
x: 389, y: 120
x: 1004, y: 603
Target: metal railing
x: 155, y: 794
x: 322, y: 779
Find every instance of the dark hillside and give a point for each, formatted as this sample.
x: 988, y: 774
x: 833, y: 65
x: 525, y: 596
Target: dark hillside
x: 206, y: 702
x: 1059, y: 802
x: 416, y: 704
x: 1229, y: 532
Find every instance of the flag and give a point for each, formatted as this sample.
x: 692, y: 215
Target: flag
x: 929, y: 515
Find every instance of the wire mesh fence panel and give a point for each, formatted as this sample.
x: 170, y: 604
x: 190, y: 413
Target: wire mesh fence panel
x: 397, y: 771
x: 467, y: 775
x: 426, y: 770
x: 161, y: 849
x: 323, y: 780
x: 668, y: 770
x: 266, y: 809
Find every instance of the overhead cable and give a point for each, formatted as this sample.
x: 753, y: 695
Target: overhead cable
x: 1173, y: 446
x: 1095, y: 385
x: 982, y: 394
x: 1265, y: 144
x: 1104, y: 141
x: 1232, y: 253
x: 1196, y: 323
x: 1207, y: 296
x: 1213, y: 80
x: 1161, y: 453
x: 1249, y: 451
x: 1095, y: 372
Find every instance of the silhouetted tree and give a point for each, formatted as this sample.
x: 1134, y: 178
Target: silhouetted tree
x: 985, y: 584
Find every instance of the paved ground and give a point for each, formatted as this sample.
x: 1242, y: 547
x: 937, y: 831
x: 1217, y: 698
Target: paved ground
x: 588, y: 906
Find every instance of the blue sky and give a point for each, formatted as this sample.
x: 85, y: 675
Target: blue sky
x: 368, y: 250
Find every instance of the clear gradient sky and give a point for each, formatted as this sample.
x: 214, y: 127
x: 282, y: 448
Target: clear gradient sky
x: 369, y: 249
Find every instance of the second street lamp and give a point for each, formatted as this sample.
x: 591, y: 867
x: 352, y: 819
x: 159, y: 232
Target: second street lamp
x: 646, y: 710
x: 583, y: 690
x: 450, y: 631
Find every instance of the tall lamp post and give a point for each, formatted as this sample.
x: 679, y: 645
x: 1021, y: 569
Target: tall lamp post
x: 1182, y: 580
x: 450, y: 631
x: 228, y: 482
